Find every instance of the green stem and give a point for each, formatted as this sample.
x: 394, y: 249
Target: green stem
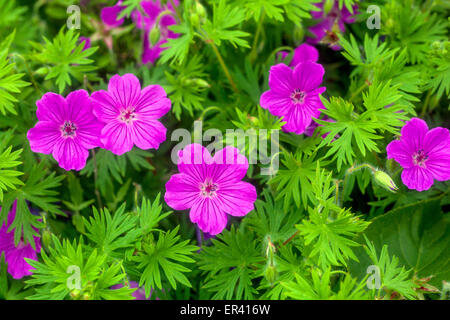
x: 358, y: 91
x: 255, y: 40
x: 97, y: 193
x: 223, y: 65
x: 425, y: 104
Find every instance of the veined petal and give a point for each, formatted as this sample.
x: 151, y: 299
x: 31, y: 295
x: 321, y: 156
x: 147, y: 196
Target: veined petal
x: 43, y: 137
x: 398, y: 151
x: 307, y: 76
x: 125, y: 89
x: 437, y: 140
x: 78, y: 106
x: 70, y: 155
x: 148, y: 134
x: 280, y: 79
x: 181, y: 192
x: 105, y: 108
x: 117, y: 137
x: 208, y: 216
x: 417, y: 178
x: 153, y: 102
x: 51, y: 107
x: 237, y: 199
x: 278, y: 104
x: 193, y: 160
x: 229, y: 166
x: 413, y: 134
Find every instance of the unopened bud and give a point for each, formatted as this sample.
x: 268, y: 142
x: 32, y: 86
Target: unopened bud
x: 154, y: 35
x: 384, y: 180
x: 200, y: 10
x: 299, y: 33
x: 46, y: 237
x: 271, y: 274
x: 75, y: 293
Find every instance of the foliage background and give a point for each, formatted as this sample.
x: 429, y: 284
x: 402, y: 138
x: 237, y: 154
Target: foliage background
x: 316, y: 227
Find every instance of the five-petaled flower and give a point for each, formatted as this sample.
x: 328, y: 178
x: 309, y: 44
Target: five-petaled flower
x: 210, y: 186
x: 15, y: 256
x: 67, y: 128
x: 424, y: 154
x: 330, y: 24
x: 294, y: 94
x: 130, y: 114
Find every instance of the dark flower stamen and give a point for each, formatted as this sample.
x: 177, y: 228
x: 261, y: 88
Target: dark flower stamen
x: 68, y: 129
x: 127, y: 115
x: 419, y: 158
x: 298, y: 96
x: 208, y: 189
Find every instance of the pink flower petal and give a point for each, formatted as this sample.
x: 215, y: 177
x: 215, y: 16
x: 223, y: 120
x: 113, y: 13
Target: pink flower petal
x: 280, y: 79
x: 237, y: 199
x: 125, y: 89
x: 208, y: 215
x: 417, y: 178
x: 51, y: 107
x: 307, y: 76
x: 413, y: 133
x: 43, y: 136
x: 70, y: 155
x: 181, y: 191
x: 148, y: 134
x: 117, y: 137
x: 398, y: 151
x: 153, y: 102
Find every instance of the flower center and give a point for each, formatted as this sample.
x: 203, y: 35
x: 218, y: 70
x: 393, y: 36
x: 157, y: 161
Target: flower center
x: 127, y: 115
x: 298, y: 96
x: 208, y: 189
x: 68, y: 129
x: 419, y: 158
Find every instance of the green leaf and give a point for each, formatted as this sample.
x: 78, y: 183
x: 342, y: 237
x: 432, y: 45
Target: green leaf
x: 167, y: 254
x: 418, y: 234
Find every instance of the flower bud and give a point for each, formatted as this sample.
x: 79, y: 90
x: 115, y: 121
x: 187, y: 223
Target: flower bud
x: 154, y: 35
x: 271, y: 274
x: 384, y: 180
x: 46, y: 238
x: 298, y: 35
x: 200, y: 10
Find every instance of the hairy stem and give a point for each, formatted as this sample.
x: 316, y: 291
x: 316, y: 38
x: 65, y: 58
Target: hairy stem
x: 223, y: 65
x: 97, y: 193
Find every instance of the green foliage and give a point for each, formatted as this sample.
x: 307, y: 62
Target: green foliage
x: 65, y: 58
x: 8, y: 160
x: 166, y: 253
x: 230, y: 264
x: 57, y: 276
x: 330, y: 230
x: 321, y: 287
x: 112, y: 234
x: 294, y: 182
x: 417, y: 234
x: 10, y: 82
x: 392, y: 276
x: 185, y: 89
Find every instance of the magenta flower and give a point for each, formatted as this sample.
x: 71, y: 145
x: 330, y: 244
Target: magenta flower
x: 330, y: 24
x: 86, y: 41
x: 67, y: 129
x: 294, y: 94
x: 424, y: 154
x: 109, y: 15
x: 302, y: 53
x: 18, y: 267
x: 210, y: 186
x: 148, y: 21
x: 130, y: 114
